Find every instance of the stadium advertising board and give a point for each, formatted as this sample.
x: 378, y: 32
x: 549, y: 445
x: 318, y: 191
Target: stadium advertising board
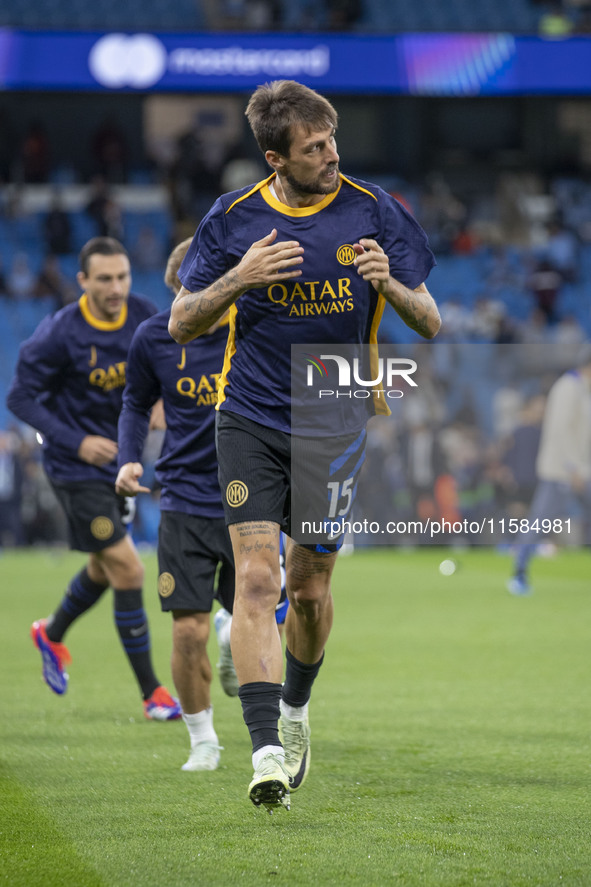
x: 418, y: 64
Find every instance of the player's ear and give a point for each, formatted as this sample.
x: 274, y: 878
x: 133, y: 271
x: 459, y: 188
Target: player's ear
x: 275, y: 160
x: 81, y: 278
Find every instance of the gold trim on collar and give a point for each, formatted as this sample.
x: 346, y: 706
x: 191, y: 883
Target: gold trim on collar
x: 93, y: 321
x: 253, y: 190
x: 359, y: 188
x: 297, y: 211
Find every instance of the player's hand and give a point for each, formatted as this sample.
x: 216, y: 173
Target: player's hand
x: 372, y: 263
x: 267, y: 261
x: 127, y: 483
x: 97, y: 450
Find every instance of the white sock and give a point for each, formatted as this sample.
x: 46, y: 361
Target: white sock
x: 200, y: 726
x: 260, y: 753
x: 299, y: 713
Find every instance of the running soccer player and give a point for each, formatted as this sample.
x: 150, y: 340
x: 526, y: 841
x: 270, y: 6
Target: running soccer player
x: 563, y: 468
x: 68, y: 385
x: 305, y: 256
x: 193, y: 541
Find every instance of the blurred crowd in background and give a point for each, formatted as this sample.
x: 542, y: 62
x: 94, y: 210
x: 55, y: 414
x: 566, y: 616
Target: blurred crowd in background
x: 554, y: 18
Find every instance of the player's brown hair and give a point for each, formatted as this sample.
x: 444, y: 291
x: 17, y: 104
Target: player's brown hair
x: 276, y: 108
x: 175, y: 259
x: 104, y: 246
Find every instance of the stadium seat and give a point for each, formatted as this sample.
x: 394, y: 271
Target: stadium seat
x: 134, y: 15
x: 515, y: 16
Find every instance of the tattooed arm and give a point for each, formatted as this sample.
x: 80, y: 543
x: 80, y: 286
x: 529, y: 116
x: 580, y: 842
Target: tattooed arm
x: 264, y: 262
x: 416, y: 307
x: 193, y: 314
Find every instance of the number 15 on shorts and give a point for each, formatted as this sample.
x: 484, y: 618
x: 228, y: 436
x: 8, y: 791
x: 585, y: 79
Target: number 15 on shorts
x: 339, y: 494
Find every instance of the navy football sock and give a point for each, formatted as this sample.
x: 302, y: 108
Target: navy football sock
x: 132, y: 625
x: 81, y: 595
x: 299, y: 678
x: 260, y: 709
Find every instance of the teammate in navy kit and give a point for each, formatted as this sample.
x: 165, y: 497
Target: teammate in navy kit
x: 193, y: 541
x: 68, y: 385
x: 306, y: 256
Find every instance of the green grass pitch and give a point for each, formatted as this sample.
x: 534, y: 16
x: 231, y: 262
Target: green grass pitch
x: 450, y: 736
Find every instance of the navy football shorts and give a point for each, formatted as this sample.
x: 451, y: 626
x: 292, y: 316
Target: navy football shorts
x: 268, y: 475
x: 94, y: 513
x: 195, y: 563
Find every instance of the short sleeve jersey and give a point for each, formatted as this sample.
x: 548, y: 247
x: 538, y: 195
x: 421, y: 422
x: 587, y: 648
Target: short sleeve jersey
x: 69, y: 383
x: 328, y: 303
x: 187, y: 378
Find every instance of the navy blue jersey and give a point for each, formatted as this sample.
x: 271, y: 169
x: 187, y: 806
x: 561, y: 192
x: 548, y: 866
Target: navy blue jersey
x: 69, y: 383
x: 186, y: 377
x: 328, y: 303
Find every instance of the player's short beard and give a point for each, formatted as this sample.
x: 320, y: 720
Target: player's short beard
x: 315, y: 187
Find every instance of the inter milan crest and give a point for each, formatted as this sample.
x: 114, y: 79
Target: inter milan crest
x: 346, y: 254
x: 236, y: 493
x: 102, y: 528
x: 166, y: 584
